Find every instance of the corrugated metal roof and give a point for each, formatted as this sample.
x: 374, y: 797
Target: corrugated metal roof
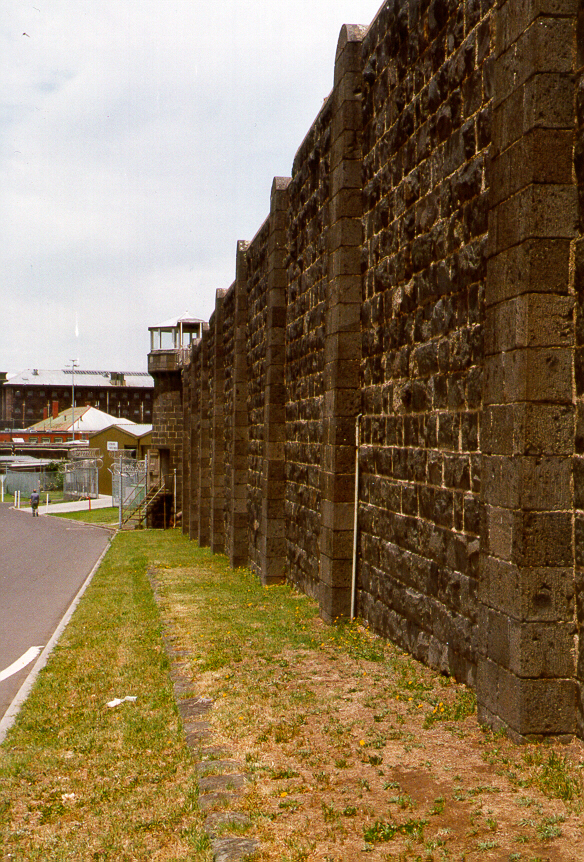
x: 83, y: 379
x: 173, y: 322
x: 133, y: 428
x: 137, y: 430
x: 86, y: 419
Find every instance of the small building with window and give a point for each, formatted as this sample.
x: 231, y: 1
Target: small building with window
x: 111, y: 441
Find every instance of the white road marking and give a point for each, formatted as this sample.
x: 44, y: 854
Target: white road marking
x: 25, y: 659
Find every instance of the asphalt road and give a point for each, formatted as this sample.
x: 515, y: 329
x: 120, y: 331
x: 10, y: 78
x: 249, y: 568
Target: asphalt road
x: 43, y: 563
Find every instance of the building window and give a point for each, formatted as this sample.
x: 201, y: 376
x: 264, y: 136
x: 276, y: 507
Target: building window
x: 45, y: 439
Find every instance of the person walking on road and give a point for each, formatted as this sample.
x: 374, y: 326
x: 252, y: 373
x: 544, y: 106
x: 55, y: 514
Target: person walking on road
x: 35, y: 499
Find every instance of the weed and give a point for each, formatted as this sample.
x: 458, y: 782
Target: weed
x: 290, y: 805
x: 283, y: 773
x: 330, y: 815
x: 382, y: 831
x: 349, y: 811
x: 549, y: 828
x: 465, y: 704
x: 357, y: 642
x: 284, y: 731
x: 553, y: 775
x: 300, y: 851
x: 438, y: 806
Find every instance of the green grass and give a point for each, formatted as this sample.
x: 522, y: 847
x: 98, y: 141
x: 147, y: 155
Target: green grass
x: 79, y: 781
x: 55, y: 496
x: 319, y: 714
x: 465, y: 704
x: 382, y: 831
x: 246, y: 616
x: 109, y: 515
x: 552, y: 774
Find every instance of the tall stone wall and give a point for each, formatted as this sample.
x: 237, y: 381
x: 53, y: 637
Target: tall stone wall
x: 307, y: 284
x: 167, y: 428
x: 236, y: 425
x: 578, y: 288
x: 387, y: 408
x: 528, y: 629
x: 257, y: 303
x: 427, y: 120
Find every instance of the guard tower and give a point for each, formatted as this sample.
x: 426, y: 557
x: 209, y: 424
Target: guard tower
x: 170, y: 344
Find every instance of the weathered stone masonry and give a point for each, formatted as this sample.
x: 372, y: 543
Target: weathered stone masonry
x: 420, y: 275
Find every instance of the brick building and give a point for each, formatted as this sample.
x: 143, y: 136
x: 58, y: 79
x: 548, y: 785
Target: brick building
x: 35, y: 394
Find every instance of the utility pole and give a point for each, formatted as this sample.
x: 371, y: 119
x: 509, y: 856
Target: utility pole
x: 74, y: 364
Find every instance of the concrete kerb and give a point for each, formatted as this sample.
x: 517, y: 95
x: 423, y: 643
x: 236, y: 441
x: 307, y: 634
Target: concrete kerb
x: 25, y: 689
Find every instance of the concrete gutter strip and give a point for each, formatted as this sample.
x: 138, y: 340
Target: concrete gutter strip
x: 25, y: 689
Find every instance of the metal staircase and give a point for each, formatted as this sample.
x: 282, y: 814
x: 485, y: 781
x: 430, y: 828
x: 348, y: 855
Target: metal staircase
x: 138, y: 503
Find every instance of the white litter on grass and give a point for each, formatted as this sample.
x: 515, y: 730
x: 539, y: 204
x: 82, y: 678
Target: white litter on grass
x: 117, y: 700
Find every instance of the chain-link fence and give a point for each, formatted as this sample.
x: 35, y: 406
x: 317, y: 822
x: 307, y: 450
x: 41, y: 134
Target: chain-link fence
x: 129, y: 477
x: 81, y: 481
x: 81, y: 474
x: 25, y: 481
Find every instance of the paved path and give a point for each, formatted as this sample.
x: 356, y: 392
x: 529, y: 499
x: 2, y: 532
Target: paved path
x: 102, y: 502
x: 43, y: 563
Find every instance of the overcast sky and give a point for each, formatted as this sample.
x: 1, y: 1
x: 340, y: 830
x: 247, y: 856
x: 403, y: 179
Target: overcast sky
x: 138, y: 142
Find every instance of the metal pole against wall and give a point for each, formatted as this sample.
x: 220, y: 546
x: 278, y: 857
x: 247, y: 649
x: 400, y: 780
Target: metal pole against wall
x: 74, y: 364
x: 356, y: 515
x: 121, y: 489
x: 174, y: 521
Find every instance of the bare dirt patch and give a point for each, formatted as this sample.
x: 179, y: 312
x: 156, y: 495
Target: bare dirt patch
x: 354, y: 750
